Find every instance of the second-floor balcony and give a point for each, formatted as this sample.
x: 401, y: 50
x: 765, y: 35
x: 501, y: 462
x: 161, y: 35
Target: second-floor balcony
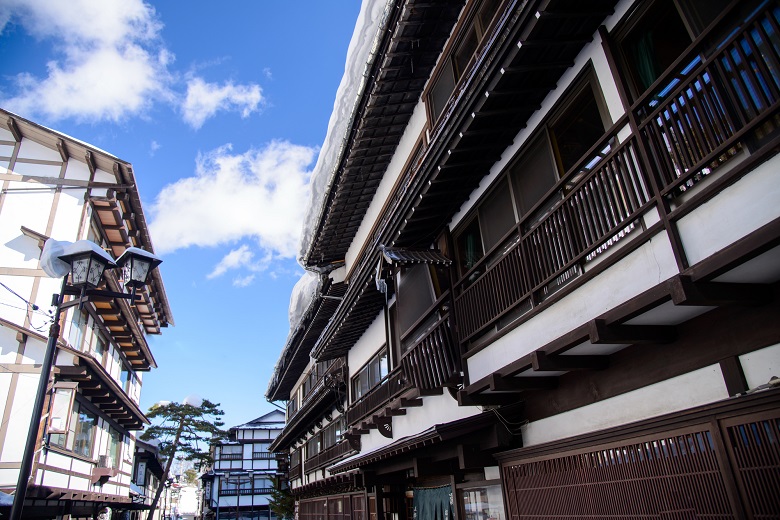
x: 718, y: 100
x: 391, y: 387
x: 433, y: 360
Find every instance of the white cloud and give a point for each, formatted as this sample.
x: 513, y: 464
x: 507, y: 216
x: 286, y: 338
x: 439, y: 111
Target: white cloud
x: 258, y: 194
x: 203, y: 100
x: 153, y: 147
x: 234, y: 259
x: 109, y: 61
x: 244, y: 281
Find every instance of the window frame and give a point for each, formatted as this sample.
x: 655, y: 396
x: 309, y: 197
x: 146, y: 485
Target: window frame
x: 366, y: 368
x: 447, y: 58
x: 541, y: 137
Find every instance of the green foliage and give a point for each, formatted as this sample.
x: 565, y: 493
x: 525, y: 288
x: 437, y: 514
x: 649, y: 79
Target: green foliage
x: 282, y: 503
x: 190, y: 477
x: 199, y: 428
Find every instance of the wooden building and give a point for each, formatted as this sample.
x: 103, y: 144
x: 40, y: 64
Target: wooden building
x: 56, y: 186
x: 239, y: 482
x: 547, y: 253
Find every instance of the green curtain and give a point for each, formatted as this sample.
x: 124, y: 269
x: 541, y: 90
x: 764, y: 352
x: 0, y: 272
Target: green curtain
x: 433, y: 503
x: 644, y: 59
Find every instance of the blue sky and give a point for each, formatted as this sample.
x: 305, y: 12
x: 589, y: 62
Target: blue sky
x: 221, y: 108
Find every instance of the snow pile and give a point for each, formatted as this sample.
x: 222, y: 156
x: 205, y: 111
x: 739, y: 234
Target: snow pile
x: 361, y: 54
x: 301, y: 298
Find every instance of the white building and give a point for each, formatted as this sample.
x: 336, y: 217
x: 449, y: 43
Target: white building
x: 240, y: 481
x: 56, y: 186
x: 546, y: 244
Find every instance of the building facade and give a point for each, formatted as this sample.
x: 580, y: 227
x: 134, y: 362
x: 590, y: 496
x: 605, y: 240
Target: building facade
x: 545, y: 253
x: 54, y: 186
x: 239, y: 484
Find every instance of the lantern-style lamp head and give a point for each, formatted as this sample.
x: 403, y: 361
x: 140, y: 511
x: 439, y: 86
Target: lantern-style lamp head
x: 136, y: 265
x: 87, y: 262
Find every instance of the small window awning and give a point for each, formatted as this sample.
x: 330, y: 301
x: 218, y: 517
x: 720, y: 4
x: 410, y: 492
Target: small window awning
x: 404, y: 257
x: 435, y: 434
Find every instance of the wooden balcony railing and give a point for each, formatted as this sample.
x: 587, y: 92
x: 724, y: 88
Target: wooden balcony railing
x: 263, y: 455
x: 336, y: 374
x: 434, y: 360
x: 597, y: 200
x: 295, y: 472
x: 245, y: 492
x: 230, y: 456
x: 395, y: 383
x: 328, y: 454
x: 695, y: 118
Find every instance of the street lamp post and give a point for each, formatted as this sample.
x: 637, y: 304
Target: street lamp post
x: 84, y: 262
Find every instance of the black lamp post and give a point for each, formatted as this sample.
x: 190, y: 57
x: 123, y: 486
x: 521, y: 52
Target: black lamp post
x: 87, y: 263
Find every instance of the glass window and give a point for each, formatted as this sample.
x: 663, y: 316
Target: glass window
x: 84, y: 425
x: 456, y: 65
x: 101, y: 346
x: 482, y: 503
x: 371, y: 375
x: 114, y: 447
x: 576, y: 130
x: 77, y: 328
x: 496, y: 215
x: 653, y: 44
x: 533, y: 175
x: 469, y: 246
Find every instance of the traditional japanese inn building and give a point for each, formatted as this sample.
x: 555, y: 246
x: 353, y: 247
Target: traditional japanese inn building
x: 543, y: 256
x: 57, y: 187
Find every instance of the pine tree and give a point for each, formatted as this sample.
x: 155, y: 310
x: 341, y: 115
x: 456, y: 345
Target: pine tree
x: 281, y: 502
x: 187, y: 429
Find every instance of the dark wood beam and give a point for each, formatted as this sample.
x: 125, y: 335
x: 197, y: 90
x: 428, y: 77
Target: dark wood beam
x: 685, y: 291
x: 616, y: 334
x: 479, y: 399
x: 14, y: 128
x: 543, y: 362
x: 499, y: 383
x: 411, y: 403
x: 62, y: 148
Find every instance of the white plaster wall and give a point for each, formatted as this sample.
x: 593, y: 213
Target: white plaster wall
x: 8, y: 347
x: 368, y: 344
x: 13, y: 308
x: 34, y: 350
x: 695, y: 388
x: 405, y: 147
x: 735, y: 212
x: 19, y: 420
x: 760, y: 366
x: 437, y: 409
x: 644, y: 268
x: 68, y: 216
x: 6, y: 150
x: 32, y: 150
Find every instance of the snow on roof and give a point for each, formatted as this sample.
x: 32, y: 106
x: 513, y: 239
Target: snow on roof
x: 301, y: 298
x: 303, y: 295
x: 361, y: 54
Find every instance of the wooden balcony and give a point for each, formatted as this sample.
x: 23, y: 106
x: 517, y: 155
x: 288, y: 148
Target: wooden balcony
x: 393, y: 386
x: 337, y: 451
x: 434, y: 361
x: 590, y: 208
x: 295, y: 472
x: 719, y: 97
